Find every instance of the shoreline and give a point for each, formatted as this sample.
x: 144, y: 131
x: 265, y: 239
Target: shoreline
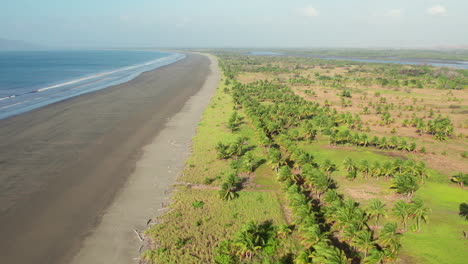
x: 148, y: 187
x: 69, y: 88
x: 62, y: 165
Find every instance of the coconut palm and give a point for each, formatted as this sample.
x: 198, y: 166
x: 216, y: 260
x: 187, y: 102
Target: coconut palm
x: 321, y: 184
x: 283, y: 230
x: 421, y: 170
x: 275, y: 160
x: 376, y: 169
x: 364, y: 167
x: 405, y: 184
x: 303, y: 159
x: 325, y: 253
x: 229, y: 187
x: 302, y: 258
x: 363, y: 241
x: 311, y: 235
x: 248, y: 240
x: 419, y: 212
x: 460, y: 178
x: 350, y: 231
x: 402, y: 210
x: 328, y: 167
x: 390, y: 238
x: 376, y: 209
x: 249, y: 161
x: 223, y: 150
x: 238, y: 147
x: 349, y: 164
x: 285, y: 173
x: 375, y: 256
x: 387, y: 170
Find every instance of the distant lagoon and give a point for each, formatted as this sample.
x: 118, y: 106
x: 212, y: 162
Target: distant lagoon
x: 435, y: 63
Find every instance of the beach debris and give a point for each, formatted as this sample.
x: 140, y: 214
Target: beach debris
x: 149, y: 221
x: 139, y: 249
x: 138, y: 234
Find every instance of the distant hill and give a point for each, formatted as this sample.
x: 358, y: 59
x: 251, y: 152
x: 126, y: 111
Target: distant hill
x: 7, y: 44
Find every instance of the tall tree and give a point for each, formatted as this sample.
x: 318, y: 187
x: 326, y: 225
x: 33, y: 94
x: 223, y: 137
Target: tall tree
x: 390, y: 238
x: 419, y: 211
x: 363, y: 241
x: 402, y: 210
x: 405, y: 184
x: 376, y: 209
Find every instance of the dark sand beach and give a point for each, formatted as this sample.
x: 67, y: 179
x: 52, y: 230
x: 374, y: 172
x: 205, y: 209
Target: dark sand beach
x: 63, y: 165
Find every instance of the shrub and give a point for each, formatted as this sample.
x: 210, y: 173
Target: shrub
x: 198, y: 204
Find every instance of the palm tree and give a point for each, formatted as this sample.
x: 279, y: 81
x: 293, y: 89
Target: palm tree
x: 302, y: 258
x: 402, y: 210
x: 348, y: 163
x: 387, y: 170
x: 390, y: 238
x: 421, y: 170
x: 311, y: 235
x: 460, y: 178
x: 364, y: 141
x: 376, y: 169
x: 228, y: 188
x: 248, y: 161
x: 223, y: 151
x: 405, y: 184
x: 274, y: 156
x: 351, y: 175
x: 364, y: 167
x: 328, y: 167
x: 350, y: 231
x: 419, y: 212
x: 325, y: 253
x: 238, y: 147
x: 286, y: 174
x: 227, y: 193
x: 321, y: 184
x: 363, y: 241
x: 283, y: 230
x: 248, y: 240
x: 376, y: 209
x: 303, y: 159
x: 375, y: 256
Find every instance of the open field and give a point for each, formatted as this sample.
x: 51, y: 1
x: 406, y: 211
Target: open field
x: 334, y: 160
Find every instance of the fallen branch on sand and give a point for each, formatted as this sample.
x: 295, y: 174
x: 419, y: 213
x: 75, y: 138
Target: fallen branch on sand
x: 138, y: 234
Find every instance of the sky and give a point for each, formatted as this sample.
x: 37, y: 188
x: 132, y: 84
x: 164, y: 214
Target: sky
x: 237, y: 23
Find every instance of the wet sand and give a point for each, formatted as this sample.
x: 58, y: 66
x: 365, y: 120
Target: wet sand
x: 114, y: 239
x: 62, y: 165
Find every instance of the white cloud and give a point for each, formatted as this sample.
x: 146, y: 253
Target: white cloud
x: 309, y: 11
x: 437, y: 10
x: 394, y: 13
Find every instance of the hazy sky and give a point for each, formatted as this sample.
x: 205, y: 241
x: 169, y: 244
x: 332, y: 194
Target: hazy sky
x: 236, y: 23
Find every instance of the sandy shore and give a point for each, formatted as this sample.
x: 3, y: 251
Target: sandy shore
x: 114, y: 240
x: 64, y: 164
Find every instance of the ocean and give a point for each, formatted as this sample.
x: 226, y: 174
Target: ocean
x: 32, y: 79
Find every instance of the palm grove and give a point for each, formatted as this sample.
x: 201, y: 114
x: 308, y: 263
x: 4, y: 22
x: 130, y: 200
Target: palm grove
x: 331, y: 229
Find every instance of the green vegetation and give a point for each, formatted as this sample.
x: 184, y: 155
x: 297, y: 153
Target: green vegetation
x: 279, y: 176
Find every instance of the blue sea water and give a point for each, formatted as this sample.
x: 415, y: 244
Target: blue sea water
x: 32, y: 79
